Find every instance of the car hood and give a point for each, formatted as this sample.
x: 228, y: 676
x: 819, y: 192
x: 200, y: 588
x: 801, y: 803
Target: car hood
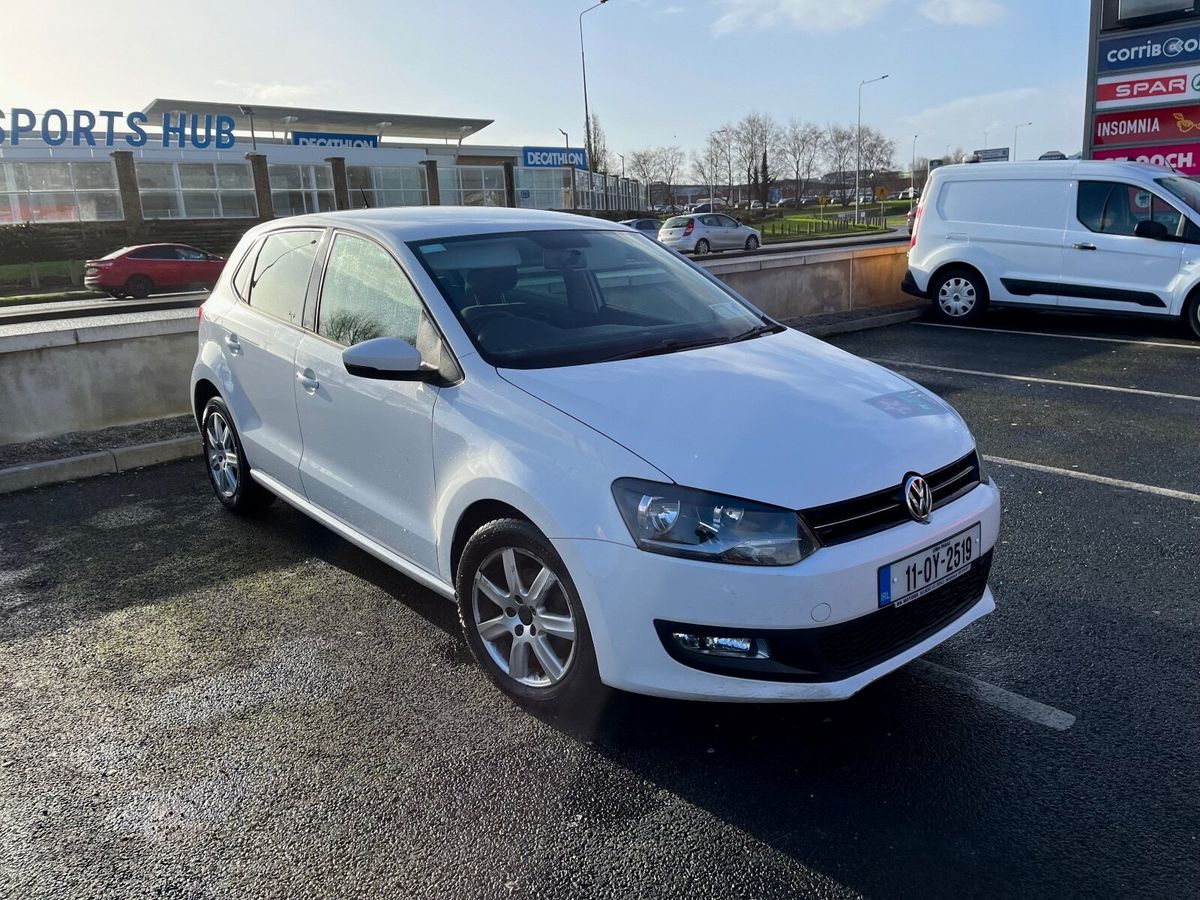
x: 783, y: 419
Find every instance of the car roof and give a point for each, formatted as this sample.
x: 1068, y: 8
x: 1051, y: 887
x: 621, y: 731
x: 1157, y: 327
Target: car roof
x: 1068, y: 168
x: 418, y: 223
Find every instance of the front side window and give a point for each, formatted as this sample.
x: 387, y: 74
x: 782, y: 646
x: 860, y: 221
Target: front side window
x: 281, y: 273
x: 1111, y: 207
x: 366, y: 295
x: 538, y: 299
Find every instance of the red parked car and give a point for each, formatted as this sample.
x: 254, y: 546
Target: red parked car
x: 152, y: 268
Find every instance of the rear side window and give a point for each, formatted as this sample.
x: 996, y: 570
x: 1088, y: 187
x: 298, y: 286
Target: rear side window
x: 1016, y: 202
x: 241, y: 278
x: 366, y: 295
x: 281, y: 273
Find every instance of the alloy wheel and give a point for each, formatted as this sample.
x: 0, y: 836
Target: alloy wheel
x: 957, y: 296
x: 523, y: 619
x: 220, y: 446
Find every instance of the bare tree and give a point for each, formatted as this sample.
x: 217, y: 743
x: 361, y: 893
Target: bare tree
x: 801, y: 144
x: 755, y: 135
x: 670, y: 164
x: 599, y: 160
x: 840, y: 150
x: 708, y: 164
x: 643, y: 165
x: 878, y: 155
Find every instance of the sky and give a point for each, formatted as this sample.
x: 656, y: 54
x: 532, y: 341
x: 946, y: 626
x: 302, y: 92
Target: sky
x: 659, y: 71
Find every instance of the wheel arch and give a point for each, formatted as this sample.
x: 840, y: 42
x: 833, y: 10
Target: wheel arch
x: 475, y: 517
x: 950, y: 266
x: 203, y: 391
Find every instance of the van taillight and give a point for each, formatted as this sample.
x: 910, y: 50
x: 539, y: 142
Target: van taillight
x: 691, y: 226
x: 916, y: 226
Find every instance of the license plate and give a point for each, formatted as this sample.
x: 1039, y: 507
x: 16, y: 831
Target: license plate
x: 915, y: 576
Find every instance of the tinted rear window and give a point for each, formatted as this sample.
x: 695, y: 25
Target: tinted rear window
x: 677, y: 222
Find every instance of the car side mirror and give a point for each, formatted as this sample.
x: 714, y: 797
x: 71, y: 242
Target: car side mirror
x: 1155, y: 231
x: 387, y: 359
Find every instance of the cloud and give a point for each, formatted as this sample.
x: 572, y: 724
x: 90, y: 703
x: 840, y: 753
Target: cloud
x: 962, y: 12
x: 274, y: 93
x: 803, y: 15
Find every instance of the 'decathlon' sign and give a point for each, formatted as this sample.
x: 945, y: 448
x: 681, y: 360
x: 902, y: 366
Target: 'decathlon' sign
x: 81, y: 127
x: 553, y: 157
x: 333, y: 139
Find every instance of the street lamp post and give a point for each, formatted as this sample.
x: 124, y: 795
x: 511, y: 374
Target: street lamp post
x: 858, y: 135
x: 1016, y: 133
x: 571, y: 168
x: 587, y: 116
x: 912, y: 197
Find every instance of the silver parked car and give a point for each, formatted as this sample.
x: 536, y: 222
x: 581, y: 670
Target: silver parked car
x: 705, y: 233
x: 648, y: 227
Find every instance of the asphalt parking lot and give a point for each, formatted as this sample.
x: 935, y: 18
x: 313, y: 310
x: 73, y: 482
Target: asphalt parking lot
x: 197, y: 706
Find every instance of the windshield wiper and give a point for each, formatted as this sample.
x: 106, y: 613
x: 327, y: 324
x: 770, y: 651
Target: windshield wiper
x: 674, y: 346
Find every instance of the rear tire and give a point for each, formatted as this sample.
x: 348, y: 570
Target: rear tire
x: 1191, y: 314
x: 510, y: 583
x: 228, y: 471
x: 960, y: 296
x: 701, y: 248
x: 139, y: 286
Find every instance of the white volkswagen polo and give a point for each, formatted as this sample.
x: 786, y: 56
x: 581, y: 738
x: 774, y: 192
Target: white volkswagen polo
x: 622, y: 472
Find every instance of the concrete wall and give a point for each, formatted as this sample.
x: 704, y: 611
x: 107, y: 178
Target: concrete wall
x: 789, y: 286
x: 85, y: 374
x: 58, y: 377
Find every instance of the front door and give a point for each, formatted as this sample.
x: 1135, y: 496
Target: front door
x: 368, y: 443
x: 1105, y: 267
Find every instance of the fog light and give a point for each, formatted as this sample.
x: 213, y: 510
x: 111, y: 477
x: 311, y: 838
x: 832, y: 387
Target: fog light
x: 716, y: 646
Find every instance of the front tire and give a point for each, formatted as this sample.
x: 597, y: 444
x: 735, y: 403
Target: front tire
x: 523, y: 621
x: 752, y: 243
x: 960, y: 296
x: 228, y: 471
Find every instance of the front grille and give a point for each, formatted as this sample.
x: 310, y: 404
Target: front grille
x: 835, y: 652
x: 848, y: 520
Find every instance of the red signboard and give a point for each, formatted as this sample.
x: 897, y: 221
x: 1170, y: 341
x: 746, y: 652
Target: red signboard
x: 1177, y: 124
x: 1183, y: 157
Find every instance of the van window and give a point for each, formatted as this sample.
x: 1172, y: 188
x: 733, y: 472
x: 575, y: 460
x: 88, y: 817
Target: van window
x: 1028, y: 203
x: 1110, y: 207
x: 281, y: 273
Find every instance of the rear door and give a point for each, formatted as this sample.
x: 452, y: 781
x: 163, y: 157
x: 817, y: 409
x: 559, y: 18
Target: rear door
x: 368, y: 443
x: 1105, y: 266
x: 260, y: 338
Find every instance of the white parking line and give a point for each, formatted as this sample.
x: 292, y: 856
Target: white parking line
x: 1074, y: 337
x: 1099, y: 479
x: 1035, y: 380
x: 1038, y: 713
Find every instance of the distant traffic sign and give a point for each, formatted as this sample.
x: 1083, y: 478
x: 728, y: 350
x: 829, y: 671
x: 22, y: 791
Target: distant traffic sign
x: 936, y: 164
x: 996, y: 154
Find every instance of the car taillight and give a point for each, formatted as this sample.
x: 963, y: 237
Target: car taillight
x: 200, y: 316
x: 691, y: 225
x: 97, y: 264
x: 912, y: 242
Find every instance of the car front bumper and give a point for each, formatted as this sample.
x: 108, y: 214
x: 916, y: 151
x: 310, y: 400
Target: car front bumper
x: 634, y: 600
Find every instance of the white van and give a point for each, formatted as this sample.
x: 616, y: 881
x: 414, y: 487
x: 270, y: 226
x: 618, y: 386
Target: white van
x: 1111, y: 237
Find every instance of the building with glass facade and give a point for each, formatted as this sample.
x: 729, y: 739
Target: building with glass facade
x: 257, y: 162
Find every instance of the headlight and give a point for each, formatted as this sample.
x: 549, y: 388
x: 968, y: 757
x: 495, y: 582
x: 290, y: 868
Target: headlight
x: 679, y: 521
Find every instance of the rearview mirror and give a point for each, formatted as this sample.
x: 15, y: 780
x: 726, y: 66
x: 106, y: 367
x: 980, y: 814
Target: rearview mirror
x: 1155, y: 231
x: 386, y: 358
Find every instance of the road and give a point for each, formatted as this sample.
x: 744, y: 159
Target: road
x: 200, y: 706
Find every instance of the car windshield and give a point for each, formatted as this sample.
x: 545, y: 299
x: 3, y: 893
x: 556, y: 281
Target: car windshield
x: 539, y: 299
x: 676, y: 222
x: 1185, y: 189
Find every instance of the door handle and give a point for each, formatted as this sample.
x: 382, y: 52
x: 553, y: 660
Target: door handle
x: 308, y: 380
x: 234, y: 345
x: 1083, y: 246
